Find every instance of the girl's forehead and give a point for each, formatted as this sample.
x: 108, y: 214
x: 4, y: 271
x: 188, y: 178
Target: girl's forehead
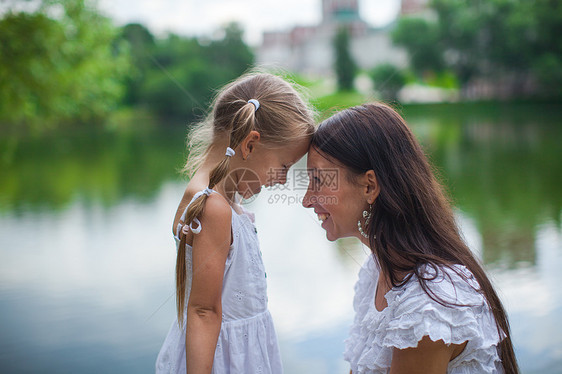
x: 296, y: 149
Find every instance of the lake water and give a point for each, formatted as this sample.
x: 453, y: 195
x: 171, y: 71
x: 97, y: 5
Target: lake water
x: 87, y: 259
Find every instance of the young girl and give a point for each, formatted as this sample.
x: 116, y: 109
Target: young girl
x: 258, y: 128
x: 423, y: 303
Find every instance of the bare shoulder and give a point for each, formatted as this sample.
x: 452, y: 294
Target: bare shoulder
x: 213, y: 205
x: 216, y: 217
x: 217, y: 209
x: 215, y: 237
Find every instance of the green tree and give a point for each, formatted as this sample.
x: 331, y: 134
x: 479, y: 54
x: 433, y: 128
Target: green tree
x: 230, y: 54
x: 546, y: 44
x: 420, y: 38
x: 141, y: 44
x: 517, y: 39
x: 59, y: 69
x: 186, y: 72
x: 345, y: 67
x: 388, y: 80
x: 482, y: 38
x: 180, y: 82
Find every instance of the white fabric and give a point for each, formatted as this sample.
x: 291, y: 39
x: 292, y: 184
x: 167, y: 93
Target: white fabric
x: 247, y: 341
x: 411, y: 314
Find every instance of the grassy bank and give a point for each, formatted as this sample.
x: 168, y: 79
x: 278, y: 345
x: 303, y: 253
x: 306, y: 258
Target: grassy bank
x: 331, y: 103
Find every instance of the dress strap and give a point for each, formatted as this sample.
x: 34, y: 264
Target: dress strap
x: 185, y: 228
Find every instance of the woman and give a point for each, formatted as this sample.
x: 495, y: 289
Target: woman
x: 423, y: 303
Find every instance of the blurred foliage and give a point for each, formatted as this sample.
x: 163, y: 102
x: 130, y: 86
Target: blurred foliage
x: 176, y: 77
x: 509, y: 40
x: 420, y: 39
x: 345, y: 67
x: 66, y: 64
x: 59, y: 68
x: 141, y: 42
x: 443, y: 79
x: 330, y: 104
x: 388, y: 80
x: 484, y: 38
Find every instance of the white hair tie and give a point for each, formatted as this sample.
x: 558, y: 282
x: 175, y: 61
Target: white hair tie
x: 256, y: 103
x: 229, y: 152
x: 187, y: 227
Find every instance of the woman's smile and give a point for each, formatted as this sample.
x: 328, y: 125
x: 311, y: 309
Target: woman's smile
x: 338, y: 208
x: 323, y: 216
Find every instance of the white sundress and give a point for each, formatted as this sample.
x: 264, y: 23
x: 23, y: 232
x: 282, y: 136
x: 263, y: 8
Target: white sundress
x: 411, y: 314
x: 247, y: 341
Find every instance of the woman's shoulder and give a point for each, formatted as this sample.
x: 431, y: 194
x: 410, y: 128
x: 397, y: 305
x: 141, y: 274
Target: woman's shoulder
x: 440, y: 286
x: 447, y: 304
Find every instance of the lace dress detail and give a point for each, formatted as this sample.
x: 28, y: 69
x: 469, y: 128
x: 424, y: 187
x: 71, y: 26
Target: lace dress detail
x: 411, y: 314
x: 247, y: 341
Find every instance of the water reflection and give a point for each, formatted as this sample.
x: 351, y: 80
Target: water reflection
x: 505, y: 174
x: 99, y: 167
x: 87, y: 261
x: 78, y: 287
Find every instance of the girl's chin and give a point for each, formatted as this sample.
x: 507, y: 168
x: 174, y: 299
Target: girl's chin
x: 250, y: 192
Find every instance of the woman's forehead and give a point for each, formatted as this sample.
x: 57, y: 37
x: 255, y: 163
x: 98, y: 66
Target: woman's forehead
x: 316, y: 159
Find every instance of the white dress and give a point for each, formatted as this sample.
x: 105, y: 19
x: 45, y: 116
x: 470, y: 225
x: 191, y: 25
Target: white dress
x: 411, y: 314
x: 247, y: 341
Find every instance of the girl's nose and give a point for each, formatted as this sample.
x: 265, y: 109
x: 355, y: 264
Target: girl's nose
x: 306, y: 201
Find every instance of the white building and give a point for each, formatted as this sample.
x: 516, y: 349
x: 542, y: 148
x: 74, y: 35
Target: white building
x: 309, y: 49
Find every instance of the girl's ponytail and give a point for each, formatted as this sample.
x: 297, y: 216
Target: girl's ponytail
x: 243, y: 122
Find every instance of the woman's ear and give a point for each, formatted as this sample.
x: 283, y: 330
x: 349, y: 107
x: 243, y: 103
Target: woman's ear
x: 248, y: 145
x: 370, y: 186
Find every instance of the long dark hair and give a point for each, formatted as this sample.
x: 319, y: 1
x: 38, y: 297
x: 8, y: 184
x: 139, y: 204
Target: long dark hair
x: 411, y: 219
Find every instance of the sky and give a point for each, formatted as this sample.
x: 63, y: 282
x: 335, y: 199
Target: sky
x: 204, y: 17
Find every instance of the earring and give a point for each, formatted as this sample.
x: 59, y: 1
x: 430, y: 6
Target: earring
x: 367, y: 216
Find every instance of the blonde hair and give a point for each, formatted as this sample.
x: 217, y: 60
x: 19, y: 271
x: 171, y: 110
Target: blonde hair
x: 283, y: 117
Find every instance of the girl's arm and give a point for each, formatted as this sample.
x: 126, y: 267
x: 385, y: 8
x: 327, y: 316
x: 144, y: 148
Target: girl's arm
x: 204, y: 309
x: 428, y: 357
